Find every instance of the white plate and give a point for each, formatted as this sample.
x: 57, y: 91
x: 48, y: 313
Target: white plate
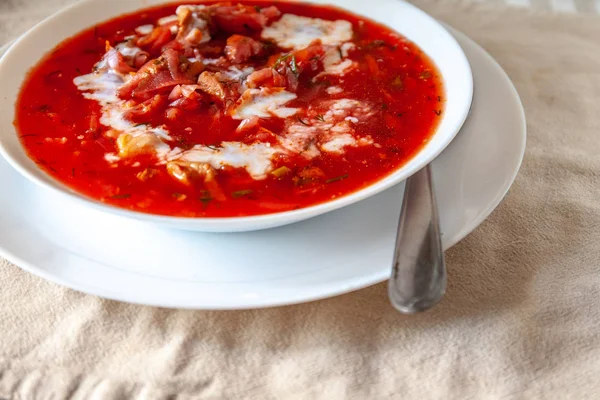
x: 63, y: 241
x: 408, y: 20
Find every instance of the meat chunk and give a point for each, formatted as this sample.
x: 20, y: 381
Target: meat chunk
x: 208, y: 83
x: 309, y: 179
x: 242, y: 48
x: 197, y: 21
x: 189, y: 173
x: 272, y: 13
x: 185, y: 97
x: 194, y: 26
x: 219, y: 87
x: 186, y: 172
x: 116, y: 62
x: 266, y: 77
x: 145, y: 144
x: 242, y: 18
x: 146, y: 110
x: 147, y: 174
x: 133, y: 55
x: 312, y: 173
x: 164, y: 72
x: 262, y: 135
x: 182, y: 91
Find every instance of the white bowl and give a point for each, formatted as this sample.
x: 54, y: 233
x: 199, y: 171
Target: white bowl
x: 406, y: 19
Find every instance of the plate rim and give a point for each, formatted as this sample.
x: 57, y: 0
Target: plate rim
x: 348, y: 286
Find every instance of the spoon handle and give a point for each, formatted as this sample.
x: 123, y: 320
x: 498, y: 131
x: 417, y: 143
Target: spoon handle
x: 418, y: 279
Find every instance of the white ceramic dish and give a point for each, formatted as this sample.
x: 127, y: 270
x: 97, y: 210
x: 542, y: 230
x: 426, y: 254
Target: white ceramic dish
x: 91, y: 251
x: 414, y: 24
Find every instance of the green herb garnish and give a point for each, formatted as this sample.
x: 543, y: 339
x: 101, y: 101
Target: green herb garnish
x: 121, y: 196
x: 281, y: 60
x: 339, y: 178
x: 425, y: 75
x: 206, y: 199
x: 281, y: 172
x: 294, y: 66
x: 303, y: 122
x: 307, y: 146
x: 375, y: 44
x: 241, y: 193
x: 54, y: 73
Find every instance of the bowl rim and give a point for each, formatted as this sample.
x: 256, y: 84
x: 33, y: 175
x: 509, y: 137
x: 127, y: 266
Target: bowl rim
x: 256, y: 222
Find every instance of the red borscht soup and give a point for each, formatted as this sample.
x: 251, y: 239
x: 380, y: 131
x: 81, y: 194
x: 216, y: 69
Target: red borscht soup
x: 229, y: 109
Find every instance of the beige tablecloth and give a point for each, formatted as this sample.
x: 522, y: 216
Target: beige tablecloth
x: 522, y: 314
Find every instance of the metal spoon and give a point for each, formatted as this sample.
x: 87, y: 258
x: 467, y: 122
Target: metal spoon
x: 418, y: 279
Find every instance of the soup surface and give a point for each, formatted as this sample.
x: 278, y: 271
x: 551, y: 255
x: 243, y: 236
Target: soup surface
x: 228, y: 109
